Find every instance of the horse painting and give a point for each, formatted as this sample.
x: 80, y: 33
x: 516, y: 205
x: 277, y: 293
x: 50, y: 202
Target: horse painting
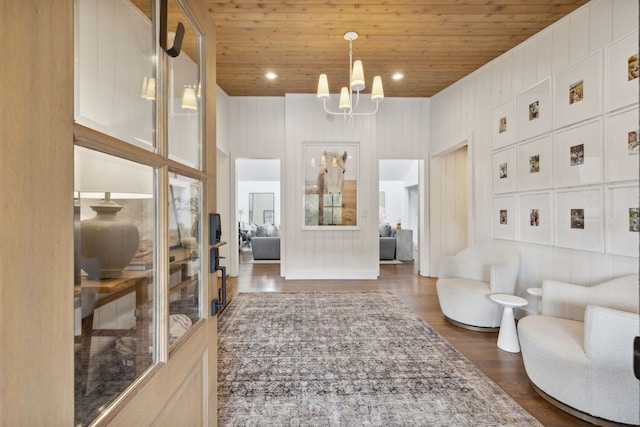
x: 330, y: 185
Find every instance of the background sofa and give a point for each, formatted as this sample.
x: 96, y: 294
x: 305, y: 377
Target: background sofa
x: 578, y: 353
x: 387, y: 242
x: 265, y: 242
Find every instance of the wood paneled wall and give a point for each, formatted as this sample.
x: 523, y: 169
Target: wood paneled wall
x: 466, y: 107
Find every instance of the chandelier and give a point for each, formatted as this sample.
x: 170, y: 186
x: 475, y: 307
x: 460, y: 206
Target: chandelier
x: 356, y: 79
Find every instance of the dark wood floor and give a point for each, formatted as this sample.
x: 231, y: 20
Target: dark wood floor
x: 419, y: 294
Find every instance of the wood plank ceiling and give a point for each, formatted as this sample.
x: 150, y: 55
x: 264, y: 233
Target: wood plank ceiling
x: 432, y: 42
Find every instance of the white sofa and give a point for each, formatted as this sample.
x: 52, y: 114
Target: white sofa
x: 579, y: 350
x: 466, y: 280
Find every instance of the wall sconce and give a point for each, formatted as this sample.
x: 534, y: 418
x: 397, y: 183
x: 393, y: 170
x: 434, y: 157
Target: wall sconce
x: 148, y: 89
x: 189, y: 98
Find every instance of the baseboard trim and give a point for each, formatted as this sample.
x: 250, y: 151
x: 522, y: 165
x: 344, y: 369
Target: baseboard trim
x: 471, y: 327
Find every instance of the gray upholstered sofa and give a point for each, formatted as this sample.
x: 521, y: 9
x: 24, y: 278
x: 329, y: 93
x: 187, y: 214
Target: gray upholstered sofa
x: 578, y: 353
x: 265, y: 242
x: 265, y: 248
x: 387, y: 242
x: 387, y: 248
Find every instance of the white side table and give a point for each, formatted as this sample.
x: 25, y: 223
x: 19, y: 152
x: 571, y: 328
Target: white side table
x: 508, y: 335
x: 536, y: 292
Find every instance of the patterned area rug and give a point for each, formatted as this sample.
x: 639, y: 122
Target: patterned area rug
x: 347, y: 359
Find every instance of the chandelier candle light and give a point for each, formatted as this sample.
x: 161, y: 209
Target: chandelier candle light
x: 356, y: 79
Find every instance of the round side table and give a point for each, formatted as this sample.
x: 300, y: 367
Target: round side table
x: 508, y: 335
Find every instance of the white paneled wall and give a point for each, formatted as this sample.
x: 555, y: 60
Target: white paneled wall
x: 465, y: 108
x: 273, y: 127
x: 402, y: 128
x: 329, y: 254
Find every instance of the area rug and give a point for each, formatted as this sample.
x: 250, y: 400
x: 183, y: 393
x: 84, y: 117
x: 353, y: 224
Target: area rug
x: 347, y: 359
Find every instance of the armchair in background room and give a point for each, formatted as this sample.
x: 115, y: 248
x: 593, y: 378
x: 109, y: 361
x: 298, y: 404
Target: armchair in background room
x: 466, y: 280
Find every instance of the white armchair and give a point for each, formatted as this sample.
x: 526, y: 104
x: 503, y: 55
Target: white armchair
x: 578, y: 353
x: 466, y: 280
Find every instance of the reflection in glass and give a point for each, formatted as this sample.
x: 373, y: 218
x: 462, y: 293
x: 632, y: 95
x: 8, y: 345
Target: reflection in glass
x: 185, y: 248
x: 185, y: 92
x: 115, y: 79
x: 114, y: 273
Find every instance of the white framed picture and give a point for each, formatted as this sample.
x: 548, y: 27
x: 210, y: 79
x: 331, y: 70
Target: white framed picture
x: 578, y: 91
x: 504, y: 218
x: 578, y: 155
x: 535, y: 161
x: 579, y: 219
x: 534, y: 110
x: 535, y: 220
x: 505, y: 171
x: 621, y: 72
x: 622, y: 219
x: 622, y: 145
x: 503, y: 125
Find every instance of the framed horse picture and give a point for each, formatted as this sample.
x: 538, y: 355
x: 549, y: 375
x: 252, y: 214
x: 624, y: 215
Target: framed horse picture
x: 330, y: 185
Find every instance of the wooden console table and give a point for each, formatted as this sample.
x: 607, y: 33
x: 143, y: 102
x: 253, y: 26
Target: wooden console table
x: 93, y: 294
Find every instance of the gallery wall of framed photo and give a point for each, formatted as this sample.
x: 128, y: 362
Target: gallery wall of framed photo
x: 565, y: 162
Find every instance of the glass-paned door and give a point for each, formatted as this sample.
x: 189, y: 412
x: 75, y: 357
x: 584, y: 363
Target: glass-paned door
x: 141, y: 110
x: 185, y: 229
x: 185, y: 106
x: 115, y: 69
x: 115, y: 227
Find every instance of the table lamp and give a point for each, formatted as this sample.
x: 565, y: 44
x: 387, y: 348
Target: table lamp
x: 107, y: 241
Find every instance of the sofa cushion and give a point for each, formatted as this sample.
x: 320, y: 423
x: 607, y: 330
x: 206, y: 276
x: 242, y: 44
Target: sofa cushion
x: 385, y: 230
x: 467, y: 301
x: 261, y: 231
x: 273, y: 230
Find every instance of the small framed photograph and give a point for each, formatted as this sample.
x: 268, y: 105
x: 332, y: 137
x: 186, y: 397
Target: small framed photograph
x: 622, y: 216
x: 535, y: 222
x: 578, y: 155
x: 579, y: 219
x: 267, y: 217
x: 578, y: 90
x: 505, y: 171
x: 533, y: 109
x: 504, y: 218
x: 621, y: 72
x: 503, y: 125
x: 536, y: 160
x: 621, y: 148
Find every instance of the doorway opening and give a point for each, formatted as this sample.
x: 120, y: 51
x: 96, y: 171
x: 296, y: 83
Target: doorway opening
x: 258, y: 210
x: 451, y: 203
x: 399, y: 210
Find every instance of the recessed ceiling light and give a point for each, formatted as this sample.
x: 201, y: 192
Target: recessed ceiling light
x: 271, y: 75
x: 398, y: 76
